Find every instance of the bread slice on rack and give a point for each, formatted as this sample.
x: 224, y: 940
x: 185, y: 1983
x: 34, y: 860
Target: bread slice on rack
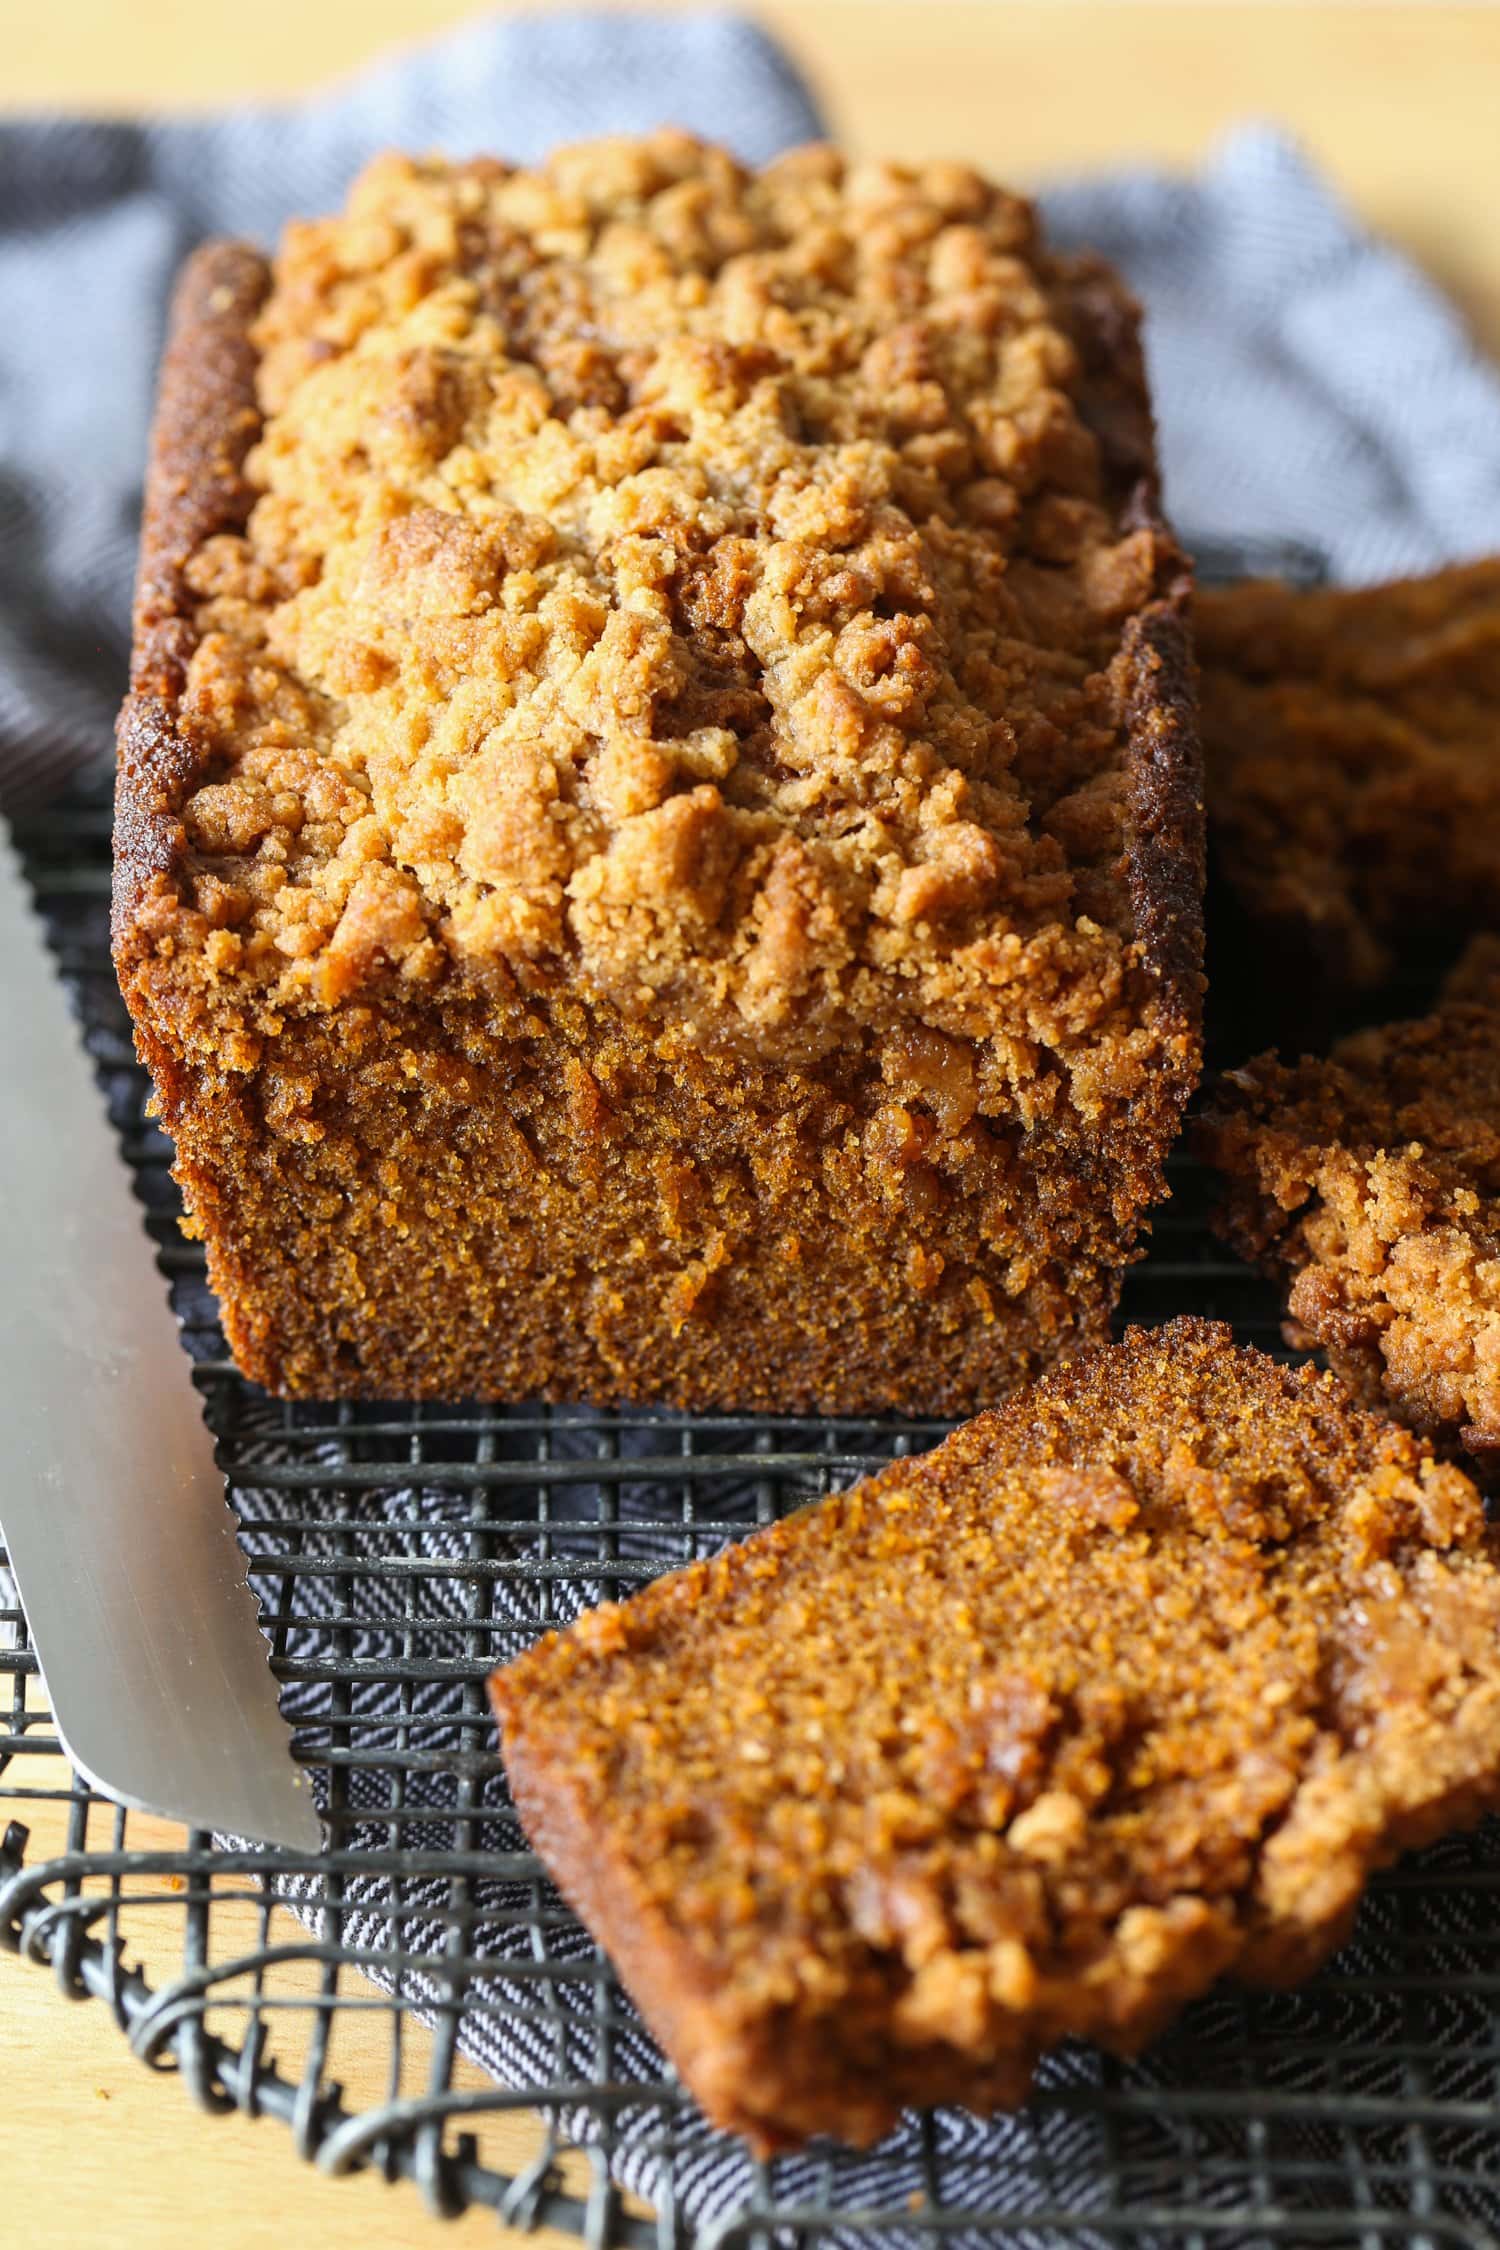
x: 1126, y: 1685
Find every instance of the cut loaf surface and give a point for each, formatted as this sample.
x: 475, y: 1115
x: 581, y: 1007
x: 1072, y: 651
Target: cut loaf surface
x: 1128, y: 1684
x: 1367, y: 1181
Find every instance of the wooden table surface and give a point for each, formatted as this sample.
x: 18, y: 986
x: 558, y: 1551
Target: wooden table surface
x: 1398, y: 103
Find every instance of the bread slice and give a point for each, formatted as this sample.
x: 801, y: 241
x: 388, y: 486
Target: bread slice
x: 660, y: 845
x: 1352, y: 754
x: 1128, y: 1684
x: 1368, y: 1183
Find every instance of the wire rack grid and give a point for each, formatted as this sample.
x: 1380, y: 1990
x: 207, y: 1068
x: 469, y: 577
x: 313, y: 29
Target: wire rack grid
x: 404, y: 2000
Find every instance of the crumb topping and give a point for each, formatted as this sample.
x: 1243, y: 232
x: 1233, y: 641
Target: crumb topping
x: 1122, y: 1684
x: 697, y: 583
x: 1371, y: 1179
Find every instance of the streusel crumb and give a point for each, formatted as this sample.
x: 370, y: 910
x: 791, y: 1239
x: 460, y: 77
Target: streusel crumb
x: 698, y: 577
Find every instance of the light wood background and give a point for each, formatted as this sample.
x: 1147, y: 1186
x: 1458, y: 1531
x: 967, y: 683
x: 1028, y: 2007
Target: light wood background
x: 1401, y: 104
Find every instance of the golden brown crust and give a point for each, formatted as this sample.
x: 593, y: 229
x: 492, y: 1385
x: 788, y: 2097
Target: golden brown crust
x: 1349, y: 747
x: 1166, y: 848
x: 207, y: 419
x: 1368, y: 1182
x: 1166, y: 851
x: 848, y: 1171
x: 1127, y: 1684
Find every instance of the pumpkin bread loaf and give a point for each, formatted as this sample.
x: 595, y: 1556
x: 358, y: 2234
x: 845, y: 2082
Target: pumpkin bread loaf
x: 659, y: 847
x: 1128, y: 1684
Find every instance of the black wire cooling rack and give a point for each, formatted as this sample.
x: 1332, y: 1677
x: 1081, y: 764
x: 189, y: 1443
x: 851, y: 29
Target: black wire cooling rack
x: 399, y: 1553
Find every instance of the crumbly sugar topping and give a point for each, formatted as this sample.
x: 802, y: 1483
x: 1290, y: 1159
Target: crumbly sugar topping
x: 699, y: 584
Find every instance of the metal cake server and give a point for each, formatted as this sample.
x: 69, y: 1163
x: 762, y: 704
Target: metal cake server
x: 119, y: 1535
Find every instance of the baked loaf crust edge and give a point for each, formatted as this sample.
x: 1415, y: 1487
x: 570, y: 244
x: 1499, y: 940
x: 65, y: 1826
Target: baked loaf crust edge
x: 206, y: 421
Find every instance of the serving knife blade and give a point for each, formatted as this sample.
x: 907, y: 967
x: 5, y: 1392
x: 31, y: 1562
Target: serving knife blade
x: 118, y: 1531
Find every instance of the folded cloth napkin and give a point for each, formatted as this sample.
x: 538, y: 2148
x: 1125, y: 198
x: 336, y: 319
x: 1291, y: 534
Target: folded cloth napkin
x: 1312, y: 388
